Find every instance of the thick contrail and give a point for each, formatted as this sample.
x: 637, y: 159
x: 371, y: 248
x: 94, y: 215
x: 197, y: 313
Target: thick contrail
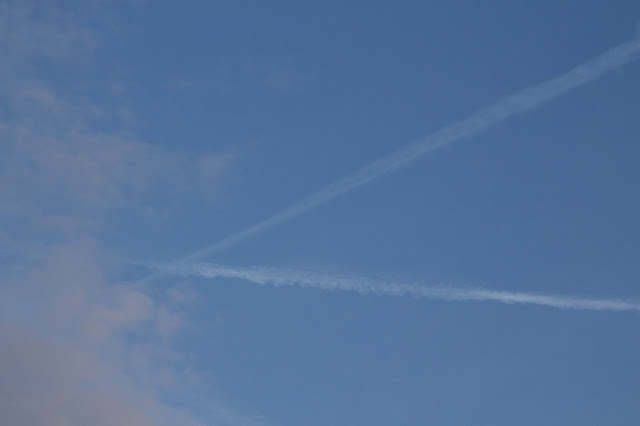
x: 517, y: 103
x: 300, y: 278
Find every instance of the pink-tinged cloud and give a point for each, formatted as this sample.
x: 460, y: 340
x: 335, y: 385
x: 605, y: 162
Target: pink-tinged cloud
x: 66, y: 358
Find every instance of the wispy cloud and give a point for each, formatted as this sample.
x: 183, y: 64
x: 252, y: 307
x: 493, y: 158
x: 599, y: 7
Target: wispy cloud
x: 300, y: 278
x: 518, y: 103
x: 78, y: 346
x: 62, y: 173
x: 42, y: 29
x: 67, y: 356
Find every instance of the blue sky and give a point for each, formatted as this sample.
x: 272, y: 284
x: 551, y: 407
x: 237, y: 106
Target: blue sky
x: 135, y: 134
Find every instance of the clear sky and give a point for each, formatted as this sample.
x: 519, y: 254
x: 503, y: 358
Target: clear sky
x: 350, y: 287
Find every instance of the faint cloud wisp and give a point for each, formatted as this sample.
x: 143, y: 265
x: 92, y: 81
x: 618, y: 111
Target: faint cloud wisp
x: 518, y: 103
x: 79, y: 345
x: 300, y: 278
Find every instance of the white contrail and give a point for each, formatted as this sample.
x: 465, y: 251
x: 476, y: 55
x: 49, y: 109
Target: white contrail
x: 522, y: 101
x: 301, y: 278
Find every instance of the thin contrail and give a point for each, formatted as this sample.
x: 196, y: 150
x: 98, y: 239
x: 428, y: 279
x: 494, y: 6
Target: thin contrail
x: 517, y: 103
x: 300, y: 278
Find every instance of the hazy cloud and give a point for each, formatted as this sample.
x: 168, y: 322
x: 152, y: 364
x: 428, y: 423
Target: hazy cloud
x: 67, y: 356
x: 79, y: 346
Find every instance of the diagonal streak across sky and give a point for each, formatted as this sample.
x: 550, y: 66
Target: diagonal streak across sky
x: 278, y: 277
x: 516, y: 103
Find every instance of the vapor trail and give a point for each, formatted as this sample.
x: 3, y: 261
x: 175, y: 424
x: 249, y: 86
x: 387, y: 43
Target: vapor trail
x: 517, y: 103
x: 300, y: 278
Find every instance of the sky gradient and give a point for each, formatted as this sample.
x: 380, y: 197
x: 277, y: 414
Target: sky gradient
x: 464, y: 173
